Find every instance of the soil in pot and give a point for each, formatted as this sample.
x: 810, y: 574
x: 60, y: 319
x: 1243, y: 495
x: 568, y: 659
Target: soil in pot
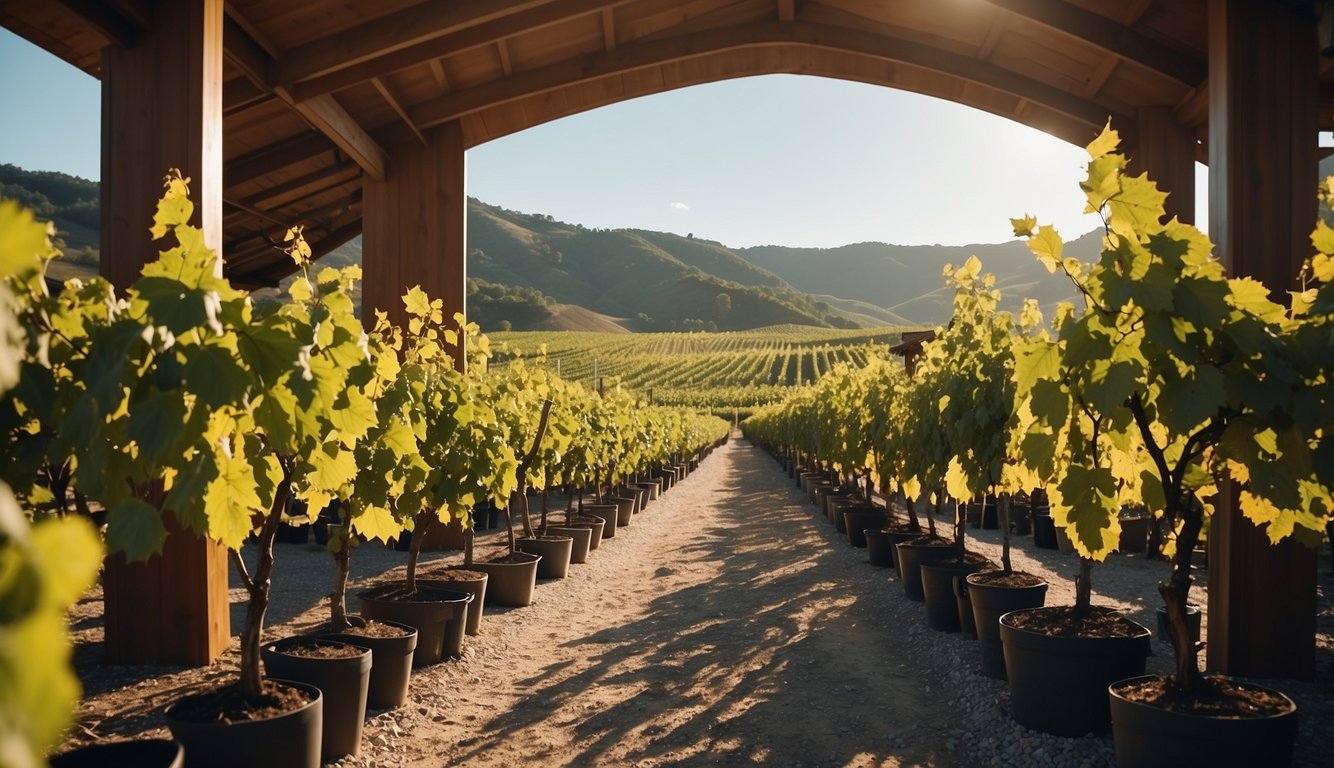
x: 513, y: 579
x: 993, y: 594
x: 1060, y: 664
x: 439, y: 615
x: 942, y: 607
x: 141, y: 753
x: 341, y: 672
x: 580, y: 537
x: 857, y: 519
x: 224, y: 729
x: 1228, y: 723
x: 391, y: 646
x: 459, y: 579
x: 914, y: 552
x: 555, y: 552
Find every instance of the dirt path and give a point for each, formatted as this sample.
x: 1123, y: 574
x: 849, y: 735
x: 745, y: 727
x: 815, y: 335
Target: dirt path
x: 718, y: 629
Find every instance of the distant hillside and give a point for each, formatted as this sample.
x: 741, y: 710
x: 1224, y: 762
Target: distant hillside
x: 906, y: 280
x: 528, y: 271
x: 74, y: 204
x: 660, y: 281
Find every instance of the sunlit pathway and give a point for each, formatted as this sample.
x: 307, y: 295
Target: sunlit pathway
x: 724, y: 626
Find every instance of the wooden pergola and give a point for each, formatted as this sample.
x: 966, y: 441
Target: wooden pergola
x: 352, y: 117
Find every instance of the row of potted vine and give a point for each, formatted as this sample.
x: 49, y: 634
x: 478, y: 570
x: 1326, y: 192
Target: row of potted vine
x: 1172, y: 380
x: 183, y: 403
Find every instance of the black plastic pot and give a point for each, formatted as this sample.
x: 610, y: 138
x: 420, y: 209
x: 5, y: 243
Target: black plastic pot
x: 554, y: 551
x: 1193, y: 617
x: 1058, y: 684
x: 989, y: 603
x: 391, y: 664
x: 1151, y: 737
x: 895, y: 539
x: 1134, y: 534
x: 610, y: 515
x: 343, y: 681
x: 141, y: 753
x: 857, y: 519
x: 474, y: 585
x: 580, y: 539
x: 911, y: 556
x: 879, y: 549
x: 289, y: 740
x: 511, y: 583
x: 942, y: 607
x: 1044, y: 532
x: 439, y: 615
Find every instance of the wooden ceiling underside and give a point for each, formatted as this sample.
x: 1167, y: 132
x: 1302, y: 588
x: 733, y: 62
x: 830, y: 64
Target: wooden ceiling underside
x: 317, y: 91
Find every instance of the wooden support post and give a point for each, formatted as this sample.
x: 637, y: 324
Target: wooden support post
x: 162, y: 108
x: 1262, y: 181
x: 1166, y: 150
x: 414, y: 228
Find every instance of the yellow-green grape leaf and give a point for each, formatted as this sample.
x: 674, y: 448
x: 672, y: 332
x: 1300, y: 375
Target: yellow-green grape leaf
x: 1138, y: 207
x: 1024, y: 227
x: 1323, y: 238
x: 230, y: 500
x: 135, y: 528
x: 1107, y: 141
x: 1034, y: 360
x: 1047, y: 246
x: 71, y: 554
x: 376, y: 522
x: 1085, y: 503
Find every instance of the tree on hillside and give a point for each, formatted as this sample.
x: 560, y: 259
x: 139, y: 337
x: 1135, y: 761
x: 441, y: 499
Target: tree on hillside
x: 723, y: 303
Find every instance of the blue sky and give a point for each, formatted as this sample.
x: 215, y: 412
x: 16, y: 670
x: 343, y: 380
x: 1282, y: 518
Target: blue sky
x: 784, y: 160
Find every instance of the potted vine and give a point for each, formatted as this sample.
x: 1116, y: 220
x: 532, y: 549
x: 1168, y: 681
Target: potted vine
x: 461, y: 442
x: 1202, y: 365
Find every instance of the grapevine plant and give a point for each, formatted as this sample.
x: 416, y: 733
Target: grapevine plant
x: 46, y: 561
x: 1173, y: 379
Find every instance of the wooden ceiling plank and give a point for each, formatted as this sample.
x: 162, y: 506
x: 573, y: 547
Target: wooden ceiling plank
x: 397, y: 106
x: 787, y: 10
x: 609, y: 29
x: 994, y: 34
x: 1100, y: 75
x: 239, y: 94
x: 438, y: 72
x: 660, y: 51
x: 1135, y: 10
x: 454, y: 42
x: 245, y: 53
x: 504, y: 50
x: 306, y: 185
x: 387, y: 34
x: 275, y: 157
x: 324, y: 113
x: 259, y: 213
x: 329, y: 117
x: 1111, y: 37
x: 105, y: 21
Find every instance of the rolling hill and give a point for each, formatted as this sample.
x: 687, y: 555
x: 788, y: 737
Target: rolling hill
x: 528, y: 271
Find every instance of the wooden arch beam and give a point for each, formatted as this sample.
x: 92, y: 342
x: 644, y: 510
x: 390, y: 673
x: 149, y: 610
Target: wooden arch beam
x: 655, y: 53
x: 388, y: 34
x: 1112, y: 37
x: 430, y: 50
